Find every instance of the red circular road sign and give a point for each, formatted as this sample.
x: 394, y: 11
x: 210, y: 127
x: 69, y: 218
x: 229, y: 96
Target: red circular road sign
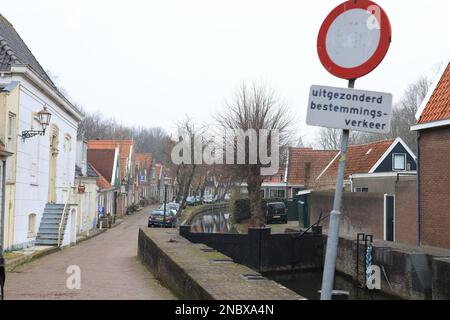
x: 354, y: 39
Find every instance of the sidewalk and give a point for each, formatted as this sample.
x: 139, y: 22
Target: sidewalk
x: 109, y: 270
x: 17, y: 258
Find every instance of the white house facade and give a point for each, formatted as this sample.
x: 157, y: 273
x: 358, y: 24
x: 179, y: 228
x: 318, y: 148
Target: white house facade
x: 41, y: 172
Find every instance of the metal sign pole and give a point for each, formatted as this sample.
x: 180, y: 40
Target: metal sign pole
x: 333, y: 230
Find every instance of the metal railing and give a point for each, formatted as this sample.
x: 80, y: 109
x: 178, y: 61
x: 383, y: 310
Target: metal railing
x: 63, y: 217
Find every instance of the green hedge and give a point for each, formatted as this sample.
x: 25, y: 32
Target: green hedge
x: 240, y: 208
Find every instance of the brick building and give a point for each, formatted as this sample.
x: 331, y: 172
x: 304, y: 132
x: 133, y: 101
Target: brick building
x: 305, y: 165
x: 433, y: 130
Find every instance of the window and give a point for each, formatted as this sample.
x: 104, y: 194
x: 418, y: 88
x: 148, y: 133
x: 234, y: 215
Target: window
x: 10, y: 172
x: 399, y: 162
x: 365, y: 190
x: 32, y: 225
x: 11, y: 130
x: 67, y: 143
x: 277, y: 193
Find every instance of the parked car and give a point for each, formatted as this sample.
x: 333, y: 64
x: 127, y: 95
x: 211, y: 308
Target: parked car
x: 156, y: 219
x: 171, y: 206
x: 194, y: 201
x: 209, y: 199
x: 191, y: 201
x: 276, y: 212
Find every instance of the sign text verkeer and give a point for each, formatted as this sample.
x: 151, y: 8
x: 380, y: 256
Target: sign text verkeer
x: 350, y: 109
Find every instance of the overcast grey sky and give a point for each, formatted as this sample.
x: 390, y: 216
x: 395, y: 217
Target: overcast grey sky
x: 151, y: 62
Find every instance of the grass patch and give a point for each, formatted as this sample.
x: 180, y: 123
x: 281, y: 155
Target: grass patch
x: 12, y: 255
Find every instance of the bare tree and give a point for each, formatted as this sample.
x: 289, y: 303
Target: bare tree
x: 149, y: 140
x: 188, y: 133
x: 256, y: 108
x: 403, y: 115
x: 330, y: 139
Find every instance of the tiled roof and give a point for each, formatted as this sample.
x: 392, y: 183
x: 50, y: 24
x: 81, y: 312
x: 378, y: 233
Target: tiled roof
x: 13, y: 50
x: 145, y: 160
x: 90, y: 172
x: 102, y: 183
x: 277, y: 178
x: 124, y: 149
x: 360, y: 159
x: 438, y: 106
x: 102, y: 161
x: 300, y: 159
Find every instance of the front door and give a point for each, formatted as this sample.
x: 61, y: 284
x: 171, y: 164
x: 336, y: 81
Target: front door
x: 52, y: 166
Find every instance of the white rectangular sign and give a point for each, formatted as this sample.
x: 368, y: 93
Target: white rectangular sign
x: 351, y: 109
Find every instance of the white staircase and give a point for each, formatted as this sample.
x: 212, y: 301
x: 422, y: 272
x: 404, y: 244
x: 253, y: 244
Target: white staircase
x: 50, y: 225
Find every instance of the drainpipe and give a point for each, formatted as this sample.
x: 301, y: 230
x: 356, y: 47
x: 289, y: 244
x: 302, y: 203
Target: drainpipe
x: 2, y: 204
x: 418, y: 218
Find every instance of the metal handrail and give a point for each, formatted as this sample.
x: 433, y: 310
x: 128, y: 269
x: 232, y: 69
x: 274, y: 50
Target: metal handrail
x: 66, y: 207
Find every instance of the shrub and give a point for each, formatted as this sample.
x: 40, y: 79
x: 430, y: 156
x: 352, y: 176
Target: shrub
x: 132, y: 208
x: 241, y: 210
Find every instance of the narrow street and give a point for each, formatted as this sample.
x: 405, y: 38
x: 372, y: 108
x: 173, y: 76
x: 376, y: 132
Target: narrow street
x: 109, y: 268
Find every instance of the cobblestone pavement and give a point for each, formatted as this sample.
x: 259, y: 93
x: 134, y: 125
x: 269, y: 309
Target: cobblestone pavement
x: 110, y: 270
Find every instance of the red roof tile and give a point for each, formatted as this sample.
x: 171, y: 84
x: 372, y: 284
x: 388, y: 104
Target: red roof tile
x: 276, y: 178
x: 103, y: 161
x: 360, y: 159
x: 438, y: 106
x: 144, y: 160
x: 306, y: 164
x: 102, y: 183
x: 124, y: 147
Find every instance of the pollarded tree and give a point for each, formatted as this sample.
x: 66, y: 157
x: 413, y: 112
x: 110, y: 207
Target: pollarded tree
x: 263, y: 123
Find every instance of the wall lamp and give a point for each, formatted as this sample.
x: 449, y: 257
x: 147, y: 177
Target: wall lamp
x: 44, y: 120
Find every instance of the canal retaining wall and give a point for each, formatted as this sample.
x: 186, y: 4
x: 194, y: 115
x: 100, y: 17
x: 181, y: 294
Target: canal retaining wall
x: 409, y: 272
x: 263, y: 251
x: 197, y: 272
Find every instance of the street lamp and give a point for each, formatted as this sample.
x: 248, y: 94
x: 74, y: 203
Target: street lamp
x: 165, y: 203
x: 44, y: 120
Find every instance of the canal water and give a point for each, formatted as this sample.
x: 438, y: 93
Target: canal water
x: 218, y: 222
x: 308, y: 283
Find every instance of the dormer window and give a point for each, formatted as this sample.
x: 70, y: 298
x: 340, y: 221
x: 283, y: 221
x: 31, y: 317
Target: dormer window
x: 399, y: 162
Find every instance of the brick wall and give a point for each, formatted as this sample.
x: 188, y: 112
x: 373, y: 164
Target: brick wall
x: 361, y: 212
x: 435, y: 187
x: 406, y: 211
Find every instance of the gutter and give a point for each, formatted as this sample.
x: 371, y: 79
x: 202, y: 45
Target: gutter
x: 2, y: 204
x: 418, y: 213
